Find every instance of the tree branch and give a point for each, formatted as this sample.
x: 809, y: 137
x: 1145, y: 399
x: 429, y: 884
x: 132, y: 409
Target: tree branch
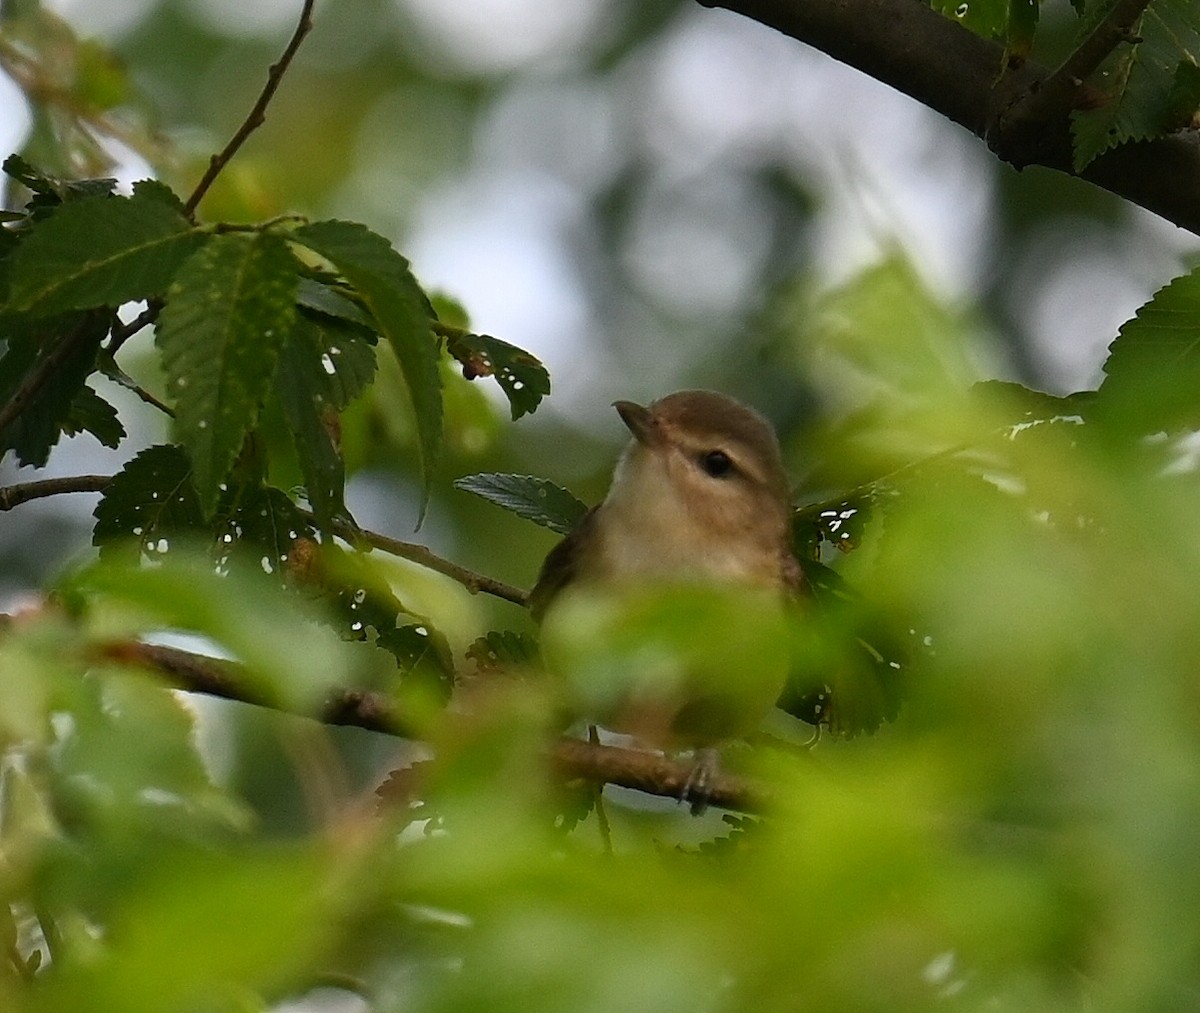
x: 23, y: 492
x: 573, y: 758
x: 948, y: 68
x: 473, y: 582
x: 258, y: 113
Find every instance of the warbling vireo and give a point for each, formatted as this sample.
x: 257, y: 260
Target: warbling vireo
x: 699, y: 499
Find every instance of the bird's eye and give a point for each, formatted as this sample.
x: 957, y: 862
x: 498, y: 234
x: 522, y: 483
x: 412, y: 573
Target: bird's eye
x: 716, y: 463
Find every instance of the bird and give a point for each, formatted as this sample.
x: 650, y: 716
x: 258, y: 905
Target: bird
x: 692, y: 541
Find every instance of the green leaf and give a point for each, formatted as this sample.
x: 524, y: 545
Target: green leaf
x: 1152, y: 375
x: 228, y: 314
x: 151, y: 507
x: 535, y: 499
x: 521, y: 376
x: 99, y: 251
x: 330, y: 302
x: 1141, y: 80
x: 63, y: 358
x: 255, y: 919
x: 501, y: 650
x: 50, y: 190
x: 91, y: 413
x: 157, y: 190
x: 987, y: 18
x: 302, y: 386
x: 838, y: 522
x: 382, y: 278
x: 148, y: 503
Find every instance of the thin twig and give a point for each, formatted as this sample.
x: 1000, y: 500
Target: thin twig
x: 258, y: 113
x: 630, y: 768
x: 110, y: 369
x: 473, y: 582
x: 122, y: 332
x: 14, y: 495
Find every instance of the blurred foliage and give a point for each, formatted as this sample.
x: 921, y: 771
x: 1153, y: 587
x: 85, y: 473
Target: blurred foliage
x: 1002, y: 591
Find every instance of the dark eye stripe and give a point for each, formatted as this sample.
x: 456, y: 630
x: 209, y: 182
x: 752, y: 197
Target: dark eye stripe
x: 716, y: 463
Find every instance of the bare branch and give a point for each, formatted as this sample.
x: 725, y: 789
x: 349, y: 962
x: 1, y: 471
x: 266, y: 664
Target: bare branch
x: 647, y: 772
x: 23, y: 492
x: 258, y: 113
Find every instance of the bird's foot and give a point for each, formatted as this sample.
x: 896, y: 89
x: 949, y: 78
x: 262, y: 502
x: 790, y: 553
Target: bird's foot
x: 696, y: 789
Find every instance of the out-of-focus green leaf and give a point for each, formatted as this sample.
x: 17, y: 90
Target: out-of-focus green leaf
x: 503, y: 649
x: 1152, y: 374
x: 91, y: 413
x: 382, y: 277
x: 99, y: 251
x: 101, y: 81
x: 1022, y: 25
x: 536, y: 499
x: 521, y: 376
x: 634, y: 662
x: 62, y: 357
x: 255, y: 918
x: 1141, y: 80
x: 228, y: 314
x: 291, y: 658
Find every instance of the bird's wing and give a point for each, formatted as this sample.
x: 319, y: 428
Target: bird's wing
x: 560, y: 566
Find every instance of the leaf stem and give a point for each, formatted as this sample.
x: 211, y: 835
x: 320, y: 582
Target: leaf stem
x: 258, y: 112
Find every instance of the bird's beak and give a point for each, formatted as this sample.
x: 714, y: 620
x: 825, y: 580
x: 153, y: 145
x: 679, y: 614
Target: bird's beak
x: 639, y: 420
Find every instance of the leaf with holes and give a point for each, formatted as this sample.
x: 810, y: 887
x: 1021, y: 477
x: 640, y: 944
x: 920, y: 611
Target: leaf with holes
x: 837, y: 522
x: 99, y: 251
x: 1152, y: 375
x: 536, y: 499
x: 503, y: 649
x: 310, y: 391
x: 148, y: 503
x: 521, y: 376
x: 1141, y: 80
x: 402, y: 312
x: 227, y: 315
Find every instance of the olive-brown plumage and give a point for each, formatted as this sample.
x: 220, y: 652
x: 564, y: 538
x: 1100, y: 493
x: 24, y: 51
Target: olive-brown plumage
x: 699, y: 499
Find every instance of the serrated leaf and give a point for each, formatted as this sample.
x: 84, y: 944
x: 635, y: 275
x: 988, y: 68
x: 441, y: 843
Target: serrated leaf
x: 92, y: 414
x: 311, y: 396
x: 227, y: 315
x: 1152, y: 374
x: 328, y: 301
x: 503, y: 649
x: 71, y: 345
x: 99, y: 251
x: 51, y: 189
x: 157, y: 190
x: 151, y: 506
x: 536, y: 499
x: 148, y: 503
x: 382, y: 277
x: 521, y: 376
x: 1139, y: 79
